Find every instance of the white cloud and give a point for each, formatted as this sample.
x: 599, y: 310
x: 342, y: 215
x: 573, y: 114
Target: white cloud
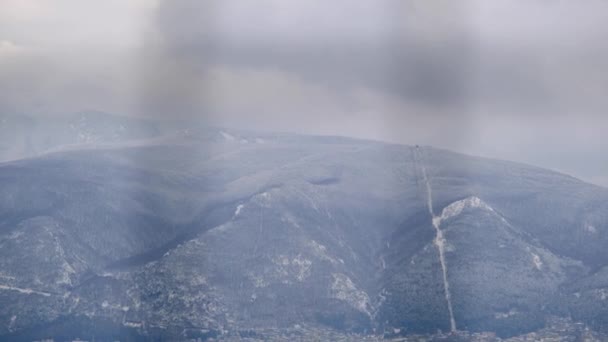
x: 75, y: 23
x: 9, y: 49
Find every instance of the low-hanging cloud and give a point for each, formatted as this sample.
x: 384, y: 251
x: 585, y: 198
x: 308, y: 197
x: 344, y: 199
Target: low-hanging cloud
x: 521, y: 80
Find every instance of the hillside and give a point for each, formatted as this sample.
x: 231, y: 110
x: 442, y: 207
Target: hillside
x: 210, y: 232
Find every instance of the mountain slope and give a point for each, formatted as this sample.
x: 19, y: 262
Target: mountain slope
x: 227, y: 231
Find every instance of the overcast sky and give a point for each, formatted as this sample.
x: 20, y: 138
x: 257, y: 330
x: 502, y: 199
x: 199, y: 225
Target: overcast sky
x: 517, y: 80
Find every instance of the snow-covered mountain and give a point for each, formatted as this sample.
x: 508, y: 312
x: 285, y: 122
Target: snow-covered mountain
x: 186, y: 231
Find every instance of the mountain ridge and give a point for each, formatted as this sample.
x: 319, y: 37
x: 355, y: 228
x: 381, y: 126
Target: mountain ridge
x: 273, y: 231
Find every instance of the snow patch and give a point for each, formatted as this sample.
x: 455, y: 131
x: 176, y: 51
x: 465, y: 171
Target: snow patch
x: 302, y: 266
x: 257, y: 280
x: 68, y: 270
x: 7, y: 277
x: 264, y: 199
x: 24, y: 291
x: 502, y: 315
x: 590, y: 228
x: 601, y: 294
x: 298, y: 268
x: 133, y: 324
x: 320, y: 251
x: 379, y: 302
x: 14, y: 235
x: 11, y: 324
x: 291, y: 220
x: 281, y: 260
x: 198, y: 280
x: 313, y: 203
x: 343, y: 288
x: 458, y: 207
x: 227, y: 136
x: 215, y: 230
x: 85, y: 137
x: 538, y: 264
x: 238, y: 210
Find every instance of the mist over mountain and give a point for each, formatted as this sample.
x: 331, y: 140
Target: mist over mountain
x: 116, y: 228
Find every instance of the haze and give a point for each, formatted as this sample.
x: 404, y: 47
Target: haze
x: 517, y: 80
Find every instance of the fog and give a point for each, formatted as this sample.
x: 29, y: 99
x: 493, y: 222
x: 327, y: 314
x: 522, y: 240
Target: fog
x: 516, y: 80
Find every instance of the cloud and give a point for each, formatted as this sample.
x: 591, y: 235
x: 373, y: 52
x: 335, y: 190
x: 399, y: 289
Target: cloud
x: 347, y: 43
x: 73, y: 23
x: 61, y: 56
x: 519, y: 80
x: 527, y: 56
x: 9, y: 49
x: 511, y: 79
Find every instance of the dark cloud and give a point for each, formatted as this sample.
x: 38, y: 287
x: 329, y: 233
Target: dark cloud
x: 357, y: 51
x: 435, y: 54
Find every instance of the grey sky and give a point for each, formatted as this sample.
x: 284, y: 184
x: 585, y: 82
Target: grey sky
x: 518, y: 80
